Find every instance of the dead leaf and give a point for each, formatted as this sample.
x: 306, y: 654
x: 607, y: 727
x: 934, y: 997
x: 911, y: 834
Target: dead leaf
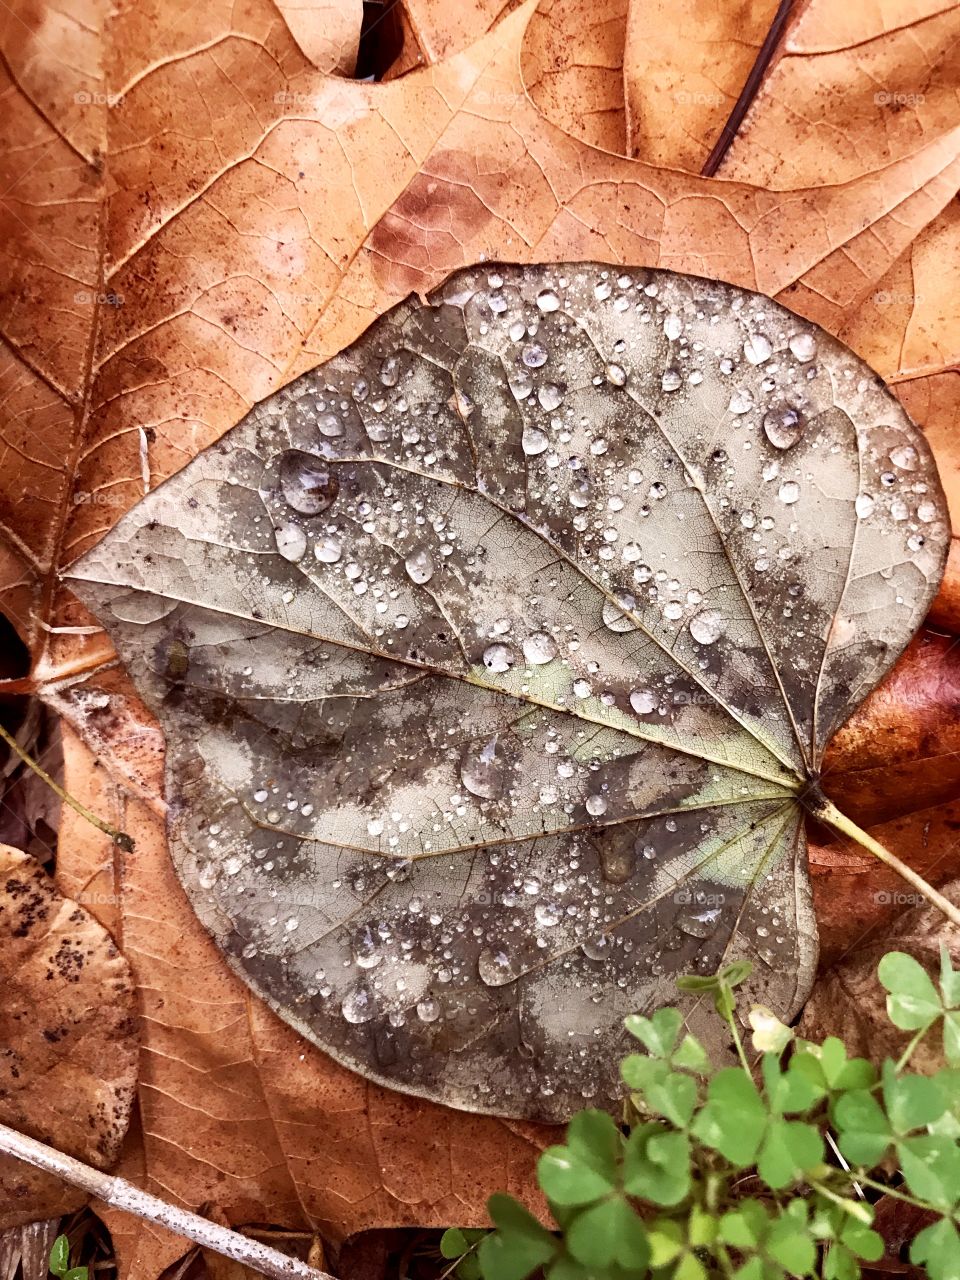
x: 393, y: 624
x: 849, y: 1002
x: 68, y: 1027
x: 328, y: 31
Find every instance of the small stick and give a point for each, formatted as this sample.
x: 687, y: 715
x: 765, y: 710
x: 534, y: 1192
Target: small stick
x: 119, y: 838
x: 124, y: 1195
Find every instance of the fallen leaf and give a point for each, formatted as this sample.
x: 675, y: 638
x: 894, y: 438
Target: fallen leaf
x: 848, y: 1000
x: 68, y: 1027
x: 328, y: 31
x: 576, y: 566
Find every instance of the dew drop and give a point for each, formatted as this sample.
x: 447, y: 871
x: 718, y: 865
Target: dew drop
x: 905, y: 457
x: 483, y: 769
x: 614, y: 618
x: 616, y: 375
x: 783, y: 427
x: 328, y: 550
x: 595, y: 805
x: 643, y: 701
x: 671, y: 380
x: 789, y: 492
x: 707, y: 626
x: 741, y: 401
x: 307, y: 483
x: 547, y: 914
x: 496, y: 967
x: 366, y: 949
x: 419, y: 566
x: 673, y: 327
x: 329, y: 425
x: 358, y: 1006
x: 550, y: 396
x: 291, y: 541
x: 534, y: 355
x: 539, y: 649
x: 428, y: 1010
x: 803, y: 346
x: 757, y: 348
x: 390, y: 371
x: 864, y: 505
x: 534, y: 441
x: 547, y: 300
x: 498, y: 658
x: 698, y: 924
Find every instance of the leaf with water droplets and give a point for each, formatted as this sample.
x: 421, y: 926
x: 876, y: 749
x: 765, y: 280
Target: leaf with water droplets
x: 495, y: 656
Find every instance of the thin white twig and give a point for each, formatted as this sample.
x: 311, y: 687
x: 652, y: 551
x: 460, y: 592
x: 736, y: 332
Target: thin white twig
x: 124, y: 1195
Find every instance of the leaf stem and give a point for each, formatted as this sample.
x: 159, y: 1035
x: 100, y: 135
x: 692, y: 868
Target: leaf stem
x: 119, y: 838
x: 827, y: 812
x: 124, y: 1195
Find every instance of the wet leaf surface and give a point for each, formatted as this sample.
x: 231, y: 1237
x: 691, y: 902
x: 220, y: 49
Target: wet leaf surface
x: 494, y: 655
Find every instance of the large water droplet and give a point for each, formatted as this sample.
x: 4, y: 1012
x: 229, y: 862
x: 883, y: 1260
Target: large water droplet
x: 803, y: 346
x: 358, y: 1006
x: 547, y: 914
x: 291, y: 541
x: 497, y: 967
x: 614, y: 618
x: 534, y: 355
x: 699, y: 924
x: 783, y: 427
x: 539, y: 649
x: 390, y: 371
x: 534, y: 441
x: 498, y: 658
x: 789, y: 492
x: 549, y: 396
x: 328, y: 424
x: 741, y: 401
x: 595, y: 805
x: 419, y: 566
x: 596, y: 948
x: 366, y: 949
x: 428, y: 1010
x: 643, y: 701
x: 328, y: 550
x: 671, y: 380
x: 547, y: 300
x: 757, y: 348
x: 864, y: 505
x: 308, y: 484
x: 707, y: 626
x: 905, y: 457
x: 484, y: 768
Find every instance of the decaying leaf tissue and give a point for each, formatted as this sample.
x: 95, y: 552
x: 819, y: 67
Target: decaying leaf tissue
x: 496, y: 655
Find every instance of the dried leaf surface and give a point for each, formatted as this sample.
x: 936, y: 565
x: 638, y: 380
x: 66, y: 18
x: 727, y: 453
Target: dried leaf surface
x: 68, y: 1037
x: 492, y: 654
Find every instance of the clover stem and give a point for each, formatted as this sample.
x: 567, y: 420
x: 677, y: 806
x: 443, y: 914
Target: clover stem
x: 119, y: 838
x: 827, y: 812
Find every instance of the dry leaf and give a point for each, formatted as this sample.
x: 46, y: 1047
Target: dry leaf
x: 493, y: 657
x: 328, y: 31
x: 68, y: 1031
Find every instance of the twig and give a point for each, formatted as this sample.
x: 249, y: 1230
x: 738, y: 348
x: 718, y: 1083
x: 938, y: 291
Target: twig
x: 124, y: 1195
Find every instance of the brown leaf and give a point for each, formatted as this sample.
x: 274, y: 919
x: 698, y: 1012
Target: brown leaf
x: 68, y: 1028
x: 684, y: 66
x: 327, y: 31
x: 849, y: 1002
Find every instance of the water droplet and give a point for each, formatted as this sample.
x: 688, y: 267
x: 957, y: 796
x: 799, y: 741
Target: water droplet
x: 428, y: 1010
x: 419, y: 566
x: 671, y: 380
x: 602, y: 290
x: 483, y: 769
x: 699, y: 924
x: 783, y: 427
x: 497, y: 967
x: 673, y: 327
x: 549, y: 396
x: 547, y: 914
x: 328, y: 424
x: 498, y: 658
x: 789, y: 492
x: 366, y: 949
x: 616, y: 375
x: 673, y: 610
x: 547, y: 301
x: 539, y: 649
x: 864, y: 505
x: 741, y: 401
x: 905, y: 457
x: 643, y: 701
x: 582, y: 688
x: 291, y: 541
x: 358, y: 1006
x: 328, y: 550
x: 614, y: 618
x: 595, y: 805
x: 707, y: 626
x: 596, y: 948
x: 534, y: 441
x: 534, y: 355
x: 803, y: 346
x: 757, y: 348
x: 308, y: 484
x: 927, y: 512
x: 390, y: 371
